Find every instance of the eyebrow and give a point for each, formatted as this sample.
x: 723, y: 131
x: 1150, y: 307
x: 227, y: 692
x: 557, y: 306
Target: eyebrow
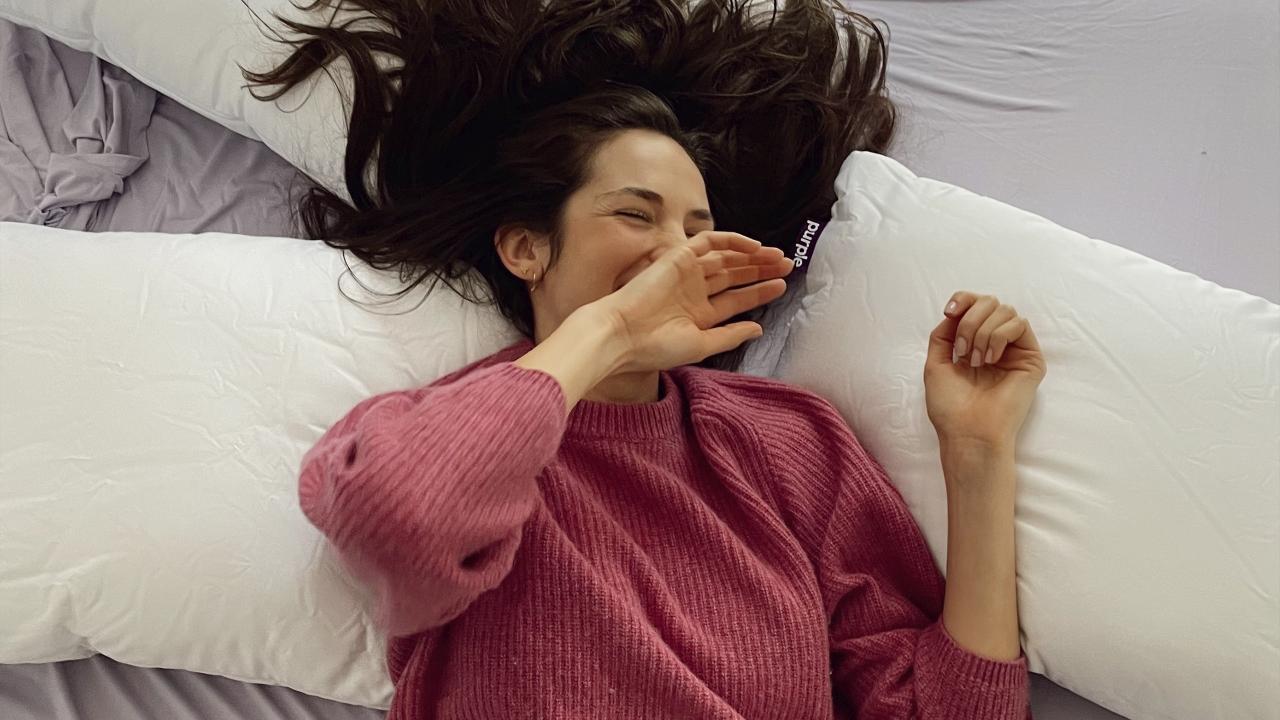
x: 650, y: 195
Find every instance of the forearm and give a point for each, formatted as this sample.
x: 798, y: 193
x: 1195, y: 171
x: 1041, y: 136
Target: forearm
x: 980, y: 609
x: 424, y: 492
x: 579, y: 353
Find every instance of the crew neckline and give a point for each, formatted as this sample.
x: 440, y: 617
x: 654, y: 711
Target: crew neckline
x: 661, y: 419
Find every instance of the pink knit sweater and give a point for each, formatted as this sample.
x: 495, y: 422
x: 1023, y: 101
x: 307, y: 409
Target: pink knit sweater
x: 729, y: 551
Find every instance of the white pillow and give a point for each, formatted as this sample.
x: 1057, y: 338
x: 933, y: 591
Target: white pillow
x: 157, y: 393
x: 1148, y: 498
x: 188, y: 50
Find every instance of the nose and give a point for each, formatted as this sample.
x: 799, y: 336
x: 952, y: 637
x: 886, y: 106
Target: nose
x: 664, y: 240
x: 671, y: 237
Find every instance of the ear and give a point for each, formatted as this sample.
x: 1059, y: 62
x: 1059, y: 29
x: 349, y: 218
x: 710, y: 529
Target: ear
x: 522, y: 250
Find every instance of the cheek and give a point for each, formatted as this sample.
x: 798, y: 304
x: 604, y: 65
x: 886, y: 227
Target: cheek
x: 621, y: 267
x: 604, y: 270
x: 598, y: 265
x: 591, y: 275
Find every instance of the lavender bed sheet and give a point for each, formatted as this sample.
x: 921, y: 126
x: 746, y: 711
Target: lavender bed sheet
x: 98, y: 688
x: 85, y: 146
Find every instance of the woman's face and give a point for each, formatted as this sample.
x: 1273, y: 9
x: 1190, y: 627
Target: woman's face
x: 642, y: 192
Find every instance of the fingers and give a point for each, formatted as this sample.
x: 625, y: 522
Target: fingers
x: 971, y: 311
x: 733, y: 302
x: 708, y: 240
x: 723, y: 259
x: 741, y: 267
x: 718, y: 260
x: 765, y: 265
x: 1004, y: 335
x: 724, y: 339
x: 979, y: 351
x: 984, y: 328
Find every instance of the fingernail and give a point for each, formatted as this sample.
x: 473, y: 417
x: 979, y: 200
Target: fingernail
x: 987, y: 359
x: 961, y: 345
x: 951, y: 307
x: 976, y: 360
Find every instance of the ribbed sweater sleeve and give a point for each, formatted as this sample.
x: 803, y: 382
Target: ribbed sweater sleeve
x: 891, y: 656
x: 424, y: 492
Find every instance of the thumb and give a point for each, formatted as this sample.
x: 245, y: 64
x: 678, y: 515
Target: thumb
x: 942, y: 341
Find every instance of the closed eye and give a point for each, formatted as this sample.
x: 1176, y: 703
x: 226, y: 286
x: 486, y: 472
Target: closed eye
x: 636, y: 214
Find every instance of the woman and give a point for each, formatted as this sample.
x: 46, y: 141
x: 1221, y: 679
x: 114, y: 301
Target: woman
x: 587, y: 523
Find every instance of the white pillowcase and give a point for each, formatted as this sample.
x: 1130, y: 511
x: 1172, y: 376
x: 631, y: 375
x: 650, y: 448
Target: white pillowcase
x: 1148, y: 498
x: 157, y: 393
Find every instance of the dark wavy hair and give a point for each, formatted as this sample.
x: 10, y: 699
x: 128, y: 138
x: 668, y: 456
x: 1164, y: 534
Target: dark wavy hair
x: 472, y: 114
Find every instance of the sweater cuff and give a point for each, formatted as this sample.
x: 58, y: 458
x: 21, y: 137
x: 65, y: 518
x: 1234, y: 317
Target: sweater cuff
x: 970, y: 686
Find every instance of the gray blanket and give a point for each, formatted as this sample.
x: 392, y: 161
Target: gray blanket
x: 85, y: 146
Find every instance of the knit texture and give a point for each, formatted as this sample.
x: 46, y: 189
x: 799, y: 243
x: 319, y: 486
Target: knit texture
x: 729, y: 551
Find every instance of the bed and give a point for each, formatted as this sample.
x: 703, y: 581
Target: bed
x: 99, y: 688
x: 976, y: 111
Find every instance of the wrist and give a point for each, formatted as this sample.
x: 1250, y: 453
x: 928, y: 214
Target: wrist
x: 600, y: 332
x: 966, y: 448
x: 978, y: 472
x: 579, y: 353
